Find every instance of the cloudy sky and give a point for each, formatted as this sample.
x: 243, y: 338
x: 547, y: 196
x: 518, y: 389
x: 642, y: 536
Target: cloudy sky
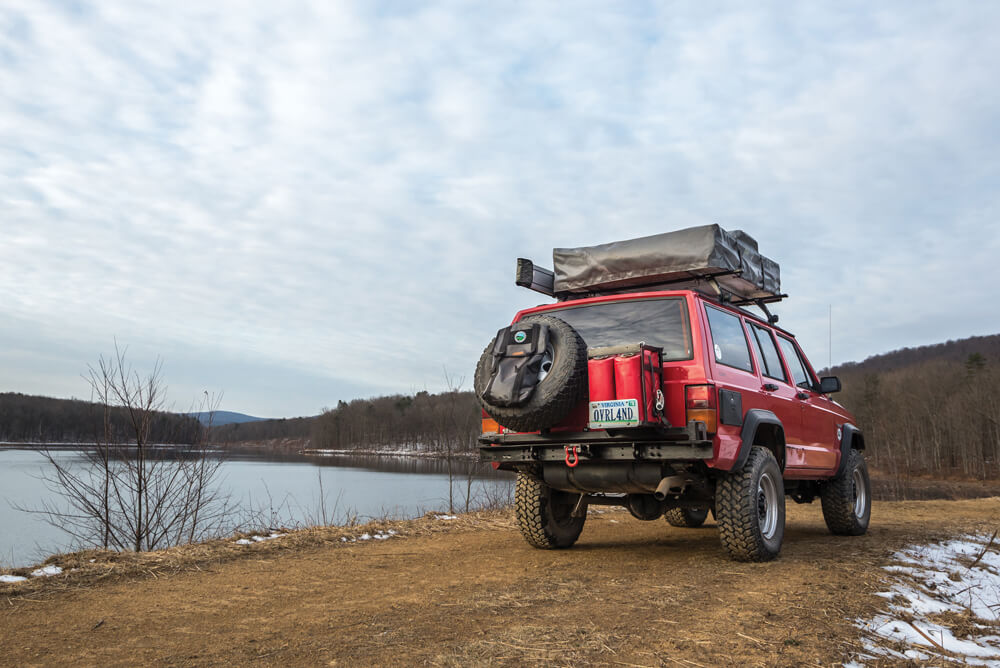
x: 293, y: 203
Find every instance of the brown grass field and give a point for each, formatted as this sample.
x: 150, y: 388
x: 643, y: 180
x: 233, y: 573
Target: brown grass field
x: 471, y: 592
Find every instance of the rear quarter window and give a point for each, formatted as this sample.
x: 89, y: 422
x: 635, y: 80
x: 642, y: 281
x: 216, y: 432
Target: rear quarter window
x: 729, y: 341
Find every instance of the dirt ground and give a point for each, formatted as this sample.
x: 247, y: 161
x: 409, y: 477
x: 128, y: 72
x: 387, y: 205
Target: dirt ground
x: 471, y: 592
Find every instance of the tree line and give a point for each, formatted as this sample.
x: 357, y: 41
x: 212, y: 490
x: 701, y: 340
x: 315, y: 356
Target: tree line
x: 34, y: 419
x: 263, y: 430
x: 931, y: 410
x: 937, y: 417
x: 438, y: 422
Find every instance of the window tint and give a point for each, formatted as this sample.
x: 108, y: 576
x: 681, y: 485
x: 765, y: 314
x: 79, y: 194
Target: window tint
x: 799, y: 374
x: 765, y: 345
x: 658, y: 322
x: 730, y: 342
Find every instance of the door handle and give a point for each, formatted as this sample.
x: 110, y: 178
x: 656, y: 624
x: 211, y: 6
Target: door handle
x: 770, y: 387
x: 801, y: 395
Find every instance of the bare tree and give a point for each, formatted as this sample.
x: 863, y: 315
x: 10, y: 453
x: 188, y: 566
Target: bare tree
x: 130, y: 493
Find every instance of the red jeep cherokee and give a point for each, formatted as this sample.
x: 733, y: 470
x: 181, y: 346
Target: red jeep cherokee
x: 670, y: 403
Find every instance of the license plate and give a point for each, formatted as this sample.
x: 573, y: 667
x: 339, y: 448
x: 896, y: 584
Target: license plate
x: 614, y: 413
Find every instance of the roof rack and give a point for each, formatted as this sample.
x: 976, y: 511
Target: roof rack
x: 723, y: 265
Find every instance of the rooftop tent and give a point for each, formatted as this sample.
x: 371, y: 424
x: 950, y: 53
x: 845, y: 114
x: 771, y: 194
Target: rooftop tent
x: 684, y: 258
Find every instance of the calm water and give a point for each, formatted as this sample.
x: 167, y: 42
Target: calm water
x: 286, y: 486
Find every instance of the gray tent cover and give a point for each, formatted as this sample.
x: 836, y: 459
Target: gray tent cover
x: 671, y: 258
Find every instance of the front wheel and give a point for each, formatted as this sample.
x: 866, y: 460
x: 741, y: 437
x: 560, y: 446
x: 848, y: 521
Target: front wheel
x: 750, y: 508
x: 545, y: 515
x: 847, y: 499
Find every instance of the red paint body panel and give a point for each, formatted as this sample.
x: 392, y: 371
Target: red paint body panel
x: 810, y: 423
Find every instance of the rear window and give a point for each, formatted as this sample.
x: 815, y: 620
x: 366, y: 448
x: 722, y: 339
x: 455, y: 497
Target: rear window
x: 657, y: 322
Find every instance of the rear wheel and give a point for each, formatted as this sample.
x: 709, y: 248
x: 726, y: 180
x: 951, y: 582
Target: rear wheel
x: 750, y: 508
x: 847, y: 499
x: 686, y: 517
x: 545, y: 515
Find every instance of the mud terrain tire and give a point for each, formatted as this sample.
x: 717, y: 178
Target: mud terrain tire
x: 690, y: 518
x: 544, y: 514
x: 847, y: 499
x: 564, y: 386
x: 750, y: 508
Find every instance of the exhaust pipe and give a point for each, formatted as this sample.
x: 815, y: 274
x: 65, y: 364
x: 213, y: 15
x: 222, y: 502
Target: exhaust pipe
x: 662, y: 489
x: 671, y: 485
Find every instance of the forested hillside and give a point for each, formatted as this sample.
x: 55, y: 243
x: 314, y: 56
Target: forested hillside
x: 440, y: 422
x: 263, y: 430
x: 930, y: 410
x: 32, y: 419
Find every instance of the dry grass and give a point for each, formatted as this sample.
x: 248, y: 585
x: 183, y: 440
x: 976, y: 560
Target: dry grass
x: 88, y: 568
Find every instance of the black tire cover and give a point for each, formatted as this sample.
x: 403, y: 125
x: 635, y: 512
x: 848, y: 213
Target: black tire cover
x: 556, y: 395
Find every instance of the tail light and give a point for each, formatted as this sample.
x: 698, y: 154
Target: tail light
x: 701, y: 404
x: 490, y: 426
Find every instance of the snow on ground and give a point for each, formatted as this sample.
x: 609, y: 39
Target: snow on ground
x: 12, y: 578
x: 446, y: 517
x: 378, y: 535
x: 46, y: 571
x: 258, y: 539
x: 944, y: 605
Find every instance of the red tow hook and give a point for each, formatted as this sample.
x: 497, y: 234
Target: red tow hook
x: 572, y: 455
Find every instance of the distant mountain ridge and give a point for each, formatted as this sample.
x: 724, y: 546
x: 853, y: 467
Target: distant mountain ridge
x: 219, y: 418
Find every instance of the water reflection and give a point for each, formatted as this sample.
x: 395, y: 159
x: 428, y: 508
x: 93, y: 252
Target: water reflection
x: 297, y: 488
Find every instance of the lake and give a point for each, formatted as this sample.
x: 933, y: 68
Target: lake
x: 282, y: 485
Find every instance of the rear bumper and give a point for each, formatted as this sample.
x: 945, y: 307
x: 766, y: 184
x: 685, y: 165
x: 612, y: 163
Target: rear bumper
x: 628, y: 445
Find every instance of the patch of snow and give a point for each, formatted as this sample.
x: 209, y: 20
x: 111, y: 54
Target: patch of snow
x: 258, y: 539
x: 12, y: 578
x: 46, y: 572
x: 378, y: 535
x: 940, y: 578
x: 446, y: 517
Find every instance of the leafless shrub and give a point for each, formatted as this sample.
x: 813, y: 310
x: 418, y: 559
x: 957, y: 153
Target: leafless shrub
x: 129, y: 493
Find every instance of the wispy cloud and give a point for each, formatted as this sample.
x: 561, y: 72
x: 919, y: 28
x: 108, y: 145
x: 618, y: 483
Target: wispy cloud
x: 336, y: 191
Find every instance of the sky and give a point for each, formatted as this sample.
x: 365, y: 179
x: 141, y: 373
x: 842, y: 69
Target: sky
x: 296, y: 203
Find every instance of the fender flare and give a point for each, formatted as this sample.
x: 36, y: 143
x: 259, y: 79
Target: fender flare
x: 754, y: 418
x: 849, y: 435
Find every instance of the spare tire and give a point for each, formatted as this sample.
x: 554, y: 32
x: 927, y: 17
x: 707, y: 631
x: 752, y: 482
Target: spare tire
x: 561, y: 386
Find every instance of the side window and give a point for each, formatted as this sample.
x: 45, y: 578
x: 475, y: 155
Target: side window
x: 730, y: 342
x: 799, y: 373
x: 772, y: 362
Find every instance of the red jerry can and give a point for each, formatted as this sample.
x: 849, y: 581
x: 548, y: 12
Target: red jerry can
x: 601, y: 378
x: 628, y: 380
